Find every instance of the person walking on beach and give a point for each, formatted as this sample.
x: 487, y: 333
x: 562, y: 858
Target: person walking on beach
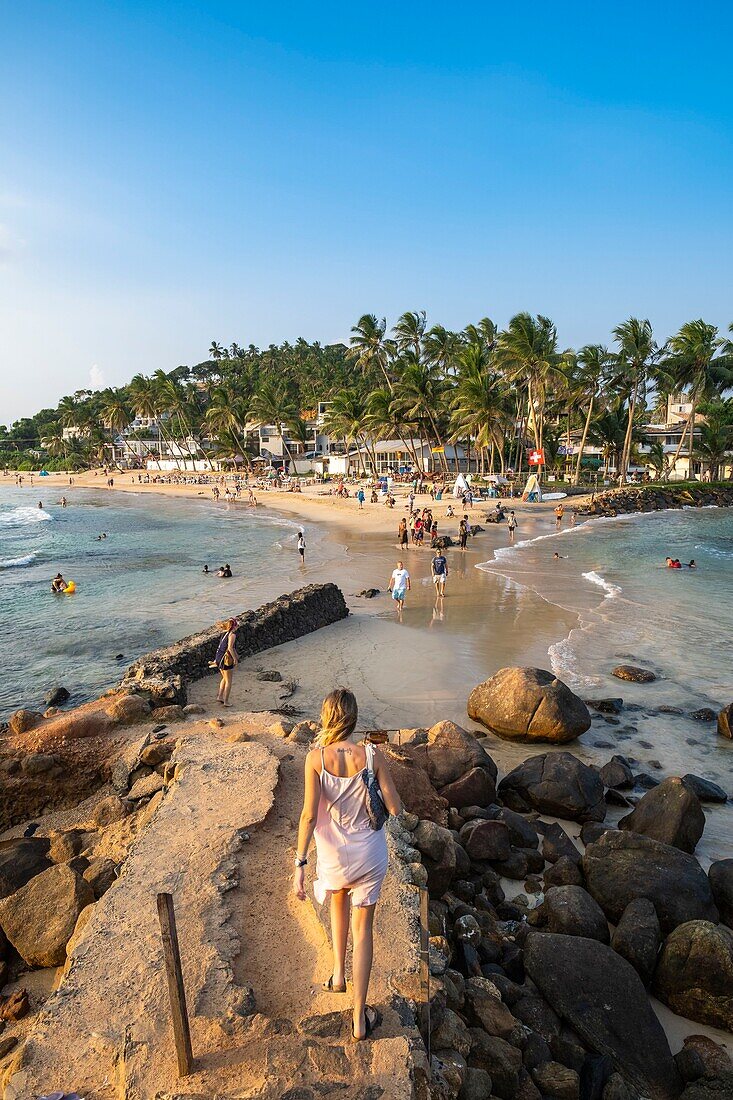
x: 399, y: 585
x: 463, y: 533
x: 559, y: 513
x: 351, y: 853
x: 301, y: 547
x: 512, y: 525
x: 225, y: 660
x: 361, y: 498
x: 402, y: 536
x: 439, y: 570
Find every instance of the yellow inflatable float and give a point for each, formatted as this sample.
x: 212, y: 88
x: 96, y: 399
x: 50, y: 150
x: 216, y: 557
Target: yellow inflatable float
x: 70, y: 588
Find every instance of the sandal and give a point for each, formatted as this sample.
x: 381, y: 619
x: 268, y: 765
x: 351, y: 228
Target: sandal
x: 329, y: 987
x: 371, y: 1022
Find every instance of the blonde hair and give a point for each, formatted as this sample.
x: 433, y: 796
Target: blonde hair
x: 339, y: 713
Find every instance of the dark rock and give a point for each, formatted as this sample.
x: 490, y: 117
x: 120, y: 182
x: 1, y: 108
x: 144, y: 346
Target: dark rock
x: 528, y: 704
x: 446, y: 752
x: 476, y: 787
x: 557, y: 844
x: 623, y: 866
x: 536, y: 1051
x: 638, y: 937
x: 558, y: 784
x: 704, y: 714
x: 476, y: 1084
x: 666, y: 709
x: 720, y: 876
x: 615, y: 798
x: 694, y: 974
x: 705, y: 789
x: 571, y: 911
x: 594, y: 1073
x: 515, y: 866
x: 557, y: 1081
x: 566, y: 872
x: 617, y: 773
x: 499, y: 1059
x: 606, y: 706
x: 710, y: 1088
x: 634, y: 674
x: 522, y: 833
x: 617, y: 1088
x: 488, y: 840
x: 534, y: 1011
x: 607, y: 1006
x: 725, y: 722
x: 56, y: 696
x: 484, y: 1001
x: 701, y: 1057
x: 593, y: 831
x: 670, y: 813
x: 451, y: 1034
x: 648, y: 782
x: 20, y: 861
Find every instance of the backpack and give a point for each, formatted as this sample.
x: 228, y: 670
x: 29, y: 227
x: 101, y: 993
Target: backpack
x: 375, y: 807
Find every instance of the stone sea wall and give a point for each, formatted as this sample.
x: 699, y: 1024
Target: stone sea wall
x: 165, y: 672
x: 617, y: 502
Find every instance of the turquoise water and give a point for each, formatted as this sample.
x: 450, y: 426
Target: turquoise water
x: 139, y: 588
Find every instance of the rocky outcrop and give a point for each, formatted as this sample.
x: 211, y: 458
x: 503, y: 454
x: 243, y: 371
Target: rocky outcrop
x: 20, y: 861
x: 725, y: 722
x: 528, y: 704
x: 602, y: 998
x: 623, y: 866
x: 656, y: 498
x: 414, y: 787
x: 555, y: 783
x: 634, y: 674
x: 670, y: 813
x: 39, y: 918
x: 694, y: 975
x: 165, y: 672
x: 571, y: 911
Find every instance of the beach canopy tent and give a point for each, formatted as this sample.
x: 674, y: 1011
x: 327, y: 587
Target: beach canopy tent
x: 461, y: 486
x: 532, y: 491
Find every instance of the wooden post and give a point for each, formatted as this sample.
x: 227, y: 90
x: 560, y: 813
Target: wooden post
x: 425, y: 967
x: 176, y: 990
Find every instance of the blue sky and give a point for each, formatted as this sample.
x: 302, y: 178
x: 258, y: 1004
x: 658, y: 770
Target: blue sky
x: 173, y: 173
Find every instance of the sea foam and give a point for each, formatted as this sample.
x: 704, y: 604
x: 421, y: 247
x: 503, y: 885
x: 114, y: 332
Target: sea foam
x: 23, y: 517
x: 15, y: 563
x: 611, y: 590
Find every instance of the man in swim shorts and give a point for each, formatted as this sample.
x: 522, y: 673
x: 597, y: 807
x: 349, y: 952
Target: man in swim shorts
x: 439, y: 570
x: 399, y: 585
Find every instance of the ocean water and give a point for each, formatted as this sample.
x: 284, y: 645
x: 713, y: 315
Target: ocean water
x: 631, y: 609
x: 139, y: 588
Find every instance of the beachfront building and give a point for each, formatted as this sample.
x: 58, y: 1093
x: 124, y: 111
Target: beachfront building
x: 387, y: 456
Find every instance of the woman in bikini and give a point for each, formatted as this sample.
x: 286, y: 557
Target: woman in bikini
x: 351, y: 855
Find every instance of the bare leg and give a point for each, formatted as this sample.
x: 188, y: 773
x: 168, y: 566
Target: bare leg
x: 362, y: 932
x: 226, y: 686
x: 221, y: 686
x: 340, y: 906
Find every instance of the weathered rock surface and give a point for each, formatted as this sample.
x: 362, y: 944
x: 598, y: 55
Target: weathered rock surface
x: 414, y: 787
x: 571, y: 911
x: 475, y: 788
x: 128, y: 709
x: 24, y: 720
x: 702, y: 1057
x: 634, y: 674
x: 529, y: 704
x: 486, y: 840
x: 20, y: 861
x: 623, y: 866
x: 720, y: 876
x: 606, y: 1004
x: 39, y: 918
x: 670, y: 813
x: 638, y: 937
x: 694, y: 975
x: 617, y: 774
x: 447, y: 752
x: 725, y: 722
x: 57, y: 696
x: 556, y: 844
x: 705, y: 789
x: 555, y: 783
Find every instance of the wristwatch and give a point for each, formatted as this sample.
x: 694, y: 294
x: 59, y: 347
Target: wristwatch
x: 301, y: 862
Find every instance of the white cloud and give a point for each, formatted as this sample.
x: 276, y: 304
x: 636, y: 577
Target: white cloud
x: 96, y: 377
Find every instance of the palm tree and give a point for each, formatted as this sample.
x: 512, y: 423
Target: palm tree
x: 593, y: 362
x: 527, y: 351
x: 273, y: 404
x: 369, y: 348
x: 480, y: 406
x: 608, y: 431
x: 420, y: 392
x: 409, y: 332
x: 217, y: 351
x: 383, y: 421
x: 658, y: 459
x: 695, y: 364
x: 348, y: 419
x: 716, y: 435
x: 636, y: 356
x: 226, y: 415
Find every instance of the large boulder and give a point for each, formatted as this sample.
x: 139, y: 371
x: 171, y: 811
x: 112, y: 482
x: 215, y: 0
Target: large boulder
x: 20, y: 861
x: 634, y: 674
x: 694, y: 975
x: 475, y: 788
x: 623, y: 866
x: 24, y: 720
x: 725, y: 722
x: 705, y: 789
x: 39, y: 918
x: 670, y: 813
x: 438, y: 850
x: 638, y: 937
x: 486, y: 840
x: 528, y: 704
x: 702, y: 1057
x: 128, y: 709
x: 414, y: 787
x: 720, y: 875
x: 571, y: 911
x: 596, y: 991
x: 446, y: 752
x: 555, y: 783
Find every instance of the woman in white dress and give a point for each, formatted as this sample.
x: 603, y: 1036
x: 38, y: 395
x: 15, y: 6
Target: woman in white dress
x: 351, y: 855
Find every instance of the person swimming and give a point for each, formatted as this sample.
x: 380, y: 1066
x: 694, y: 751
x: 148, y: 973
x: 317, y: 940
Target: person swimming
x: 691, y: 564
x: 225, y: 571
x: 58, y: 584
x: 205, y: 569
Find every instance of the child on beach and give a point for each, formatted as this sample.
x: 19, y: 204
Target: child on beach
x: 512, y: 525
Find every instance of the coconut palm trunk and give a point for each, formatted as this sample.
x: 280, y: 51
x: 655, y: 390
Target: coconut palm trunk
x: 579, y: 463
